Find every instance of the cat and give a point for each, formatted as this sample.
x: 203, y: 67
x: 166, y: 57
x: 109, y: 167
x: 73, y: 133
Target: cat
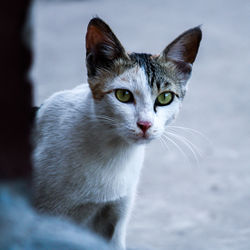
x: 89, y: 141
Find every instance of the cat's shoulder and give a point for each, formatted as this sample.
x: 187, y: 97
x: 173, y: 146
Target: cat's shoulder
x: 66, y: 99
x: 63, y: 107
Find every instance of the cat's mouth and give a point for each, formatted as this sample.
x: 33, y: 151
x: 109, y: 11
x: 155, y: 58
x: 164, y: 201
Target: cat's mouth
x: 139, y: 137
x: 142, y: 138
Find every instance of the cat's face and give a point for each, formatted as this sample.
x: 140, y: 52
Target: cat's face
x: 138, y: 111
x: 137, y: 95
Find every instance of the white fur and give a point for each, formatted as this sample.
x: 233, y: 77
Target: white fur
x: 80, y: 156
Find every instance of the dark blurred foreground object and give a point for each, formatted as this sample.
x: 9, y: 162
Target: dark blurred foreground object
x: 20, y: 226
x: 15, y: 91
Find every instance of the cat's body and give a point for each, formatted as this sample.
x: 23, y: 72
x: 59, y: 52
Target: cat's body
x: 86, y: 181
x: 89, y: 141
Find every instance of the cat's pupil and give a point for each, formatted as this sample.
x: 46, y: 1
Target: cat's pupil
x: 165, y: 96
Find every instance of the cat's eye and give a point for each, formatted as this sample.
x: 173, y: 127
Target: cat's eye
x: 124, y: 95
x: 164, y: 98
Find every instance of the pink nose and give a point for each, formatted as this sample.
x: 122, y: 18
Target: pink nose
x: 144, y: 125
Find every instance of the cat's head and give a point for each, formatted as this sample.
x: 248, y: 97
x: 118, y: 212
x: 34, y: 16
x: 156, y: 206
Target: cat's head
x: 138, y: 95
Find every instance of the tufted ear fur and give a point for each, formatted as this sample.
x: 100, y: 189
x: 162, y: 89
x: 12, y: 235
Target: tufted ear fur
x: 102, y: 46
x: 183, y: 50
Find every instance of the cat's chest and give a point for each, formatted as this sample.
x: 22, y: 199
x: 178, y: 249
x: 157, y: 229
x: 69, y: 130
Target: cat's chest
x: 108, y: 179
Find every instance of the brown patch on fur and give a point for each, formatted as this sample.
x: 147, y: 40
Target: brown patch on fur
x: 99, y: 82
x: 137, y: 92
x: 153, y: 57
x: 124, y: 79
x: 100, y: 94
x: 137, y: 69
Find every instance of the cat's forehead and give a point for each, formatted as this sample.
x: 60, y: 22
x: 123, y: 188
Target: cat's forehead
x: 133, y: 78
x: 146, y: 70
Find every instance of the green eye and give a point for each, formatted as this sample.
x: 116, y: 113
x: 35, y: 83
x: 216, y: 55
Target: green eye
x: 124, y: 95
x: 164, y: 98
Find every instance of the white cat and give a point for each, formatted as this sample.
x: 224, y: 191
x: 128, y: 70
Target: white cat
x: 89, y: 142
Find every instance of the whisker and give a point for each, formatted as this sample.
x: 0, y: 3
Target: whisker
x: 161, y: 143
x: 191, y: 130
x: 182, y: 137
x: 104, y: 118
x: 188, y: 144
x: 175, y: 144
x: 164, y: 144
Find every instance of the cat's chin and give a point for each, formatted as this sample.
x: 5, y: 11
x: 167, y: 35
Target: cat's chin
x: 143, y: 140
x: 140, y: 140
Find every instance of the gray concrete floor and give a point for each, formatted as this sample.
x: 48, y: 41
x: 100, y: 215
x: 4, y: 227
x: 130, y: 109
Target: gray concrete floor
x: 182, y: 204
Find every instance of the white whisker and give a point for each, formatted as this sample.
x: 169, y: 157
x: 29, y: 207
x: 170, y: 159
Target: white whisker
x: 104, y: 118
x: 164, y: 144
x: 182, y: 137
x: 188, y: 144
x: 191, y: 130
x: 176, y: 145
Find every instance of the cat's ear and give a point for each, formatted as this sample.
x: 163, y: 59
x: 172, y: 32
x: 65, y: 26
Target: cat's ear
x: 183, y: 50
x: 102, y: 46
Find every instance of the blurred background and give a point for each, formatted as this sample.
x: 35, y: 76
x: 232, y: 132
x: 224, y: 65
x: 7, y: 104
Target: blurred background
x: 194, y: 195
